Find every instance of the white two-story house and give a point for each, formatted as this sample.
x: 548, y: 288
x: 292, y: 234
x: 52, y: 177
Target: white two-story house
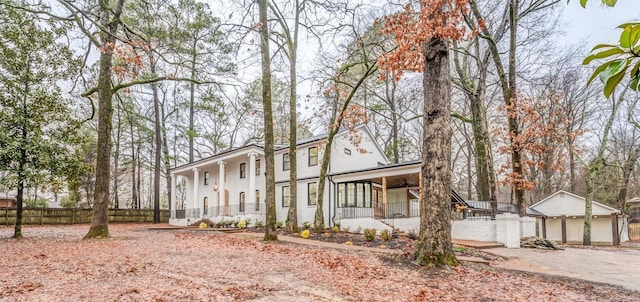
x: 362, y: 189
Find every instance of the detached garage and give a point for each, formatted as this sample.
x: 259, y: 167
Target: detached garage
x: 563, y: 220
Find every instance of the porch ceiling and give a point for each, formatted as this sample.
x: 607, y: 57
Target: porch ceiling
x: 400, y: 181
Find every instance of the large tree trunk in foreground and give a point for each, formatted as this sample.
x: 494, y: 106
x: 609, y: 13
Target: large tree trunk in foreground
x: 270, y: 233
x: 99, y: 223
x: 434, y: 244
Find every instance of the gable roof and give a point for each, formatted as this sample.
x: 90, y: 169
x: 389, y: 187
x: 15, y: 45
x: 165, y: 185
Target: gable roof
x: 569, y: 209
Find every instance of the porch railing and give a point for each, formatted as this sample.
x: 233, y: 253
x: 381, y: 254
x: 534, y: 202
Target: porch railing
x: 392, y: 210
x: 185, y: 213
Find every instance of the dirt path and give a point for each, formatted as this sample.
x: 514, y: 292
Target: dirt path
x: 616, y: 266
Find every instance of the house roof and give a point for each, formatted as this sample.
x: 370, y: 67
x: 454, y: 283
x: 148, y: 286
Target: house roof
x: 574, y: 205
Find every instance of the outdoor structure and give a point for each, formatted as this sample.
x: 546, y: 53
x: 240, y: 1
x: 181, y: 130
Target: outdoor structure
x: 563, y: 220
x: 7, y: 201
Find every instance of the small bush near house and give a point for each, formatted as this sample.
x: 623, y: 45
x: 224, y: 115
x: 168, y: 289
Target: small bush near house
x: 335, y: 229
x: 203, y: 226
x: 248, y: 221
x: 306, y: 225
x: 370, y: 234
x: 242, y: 224
x: 305, y: 234
x: 279, y: 224
x: 259, y: 224
x: 385, y: 235
x: 412, y: 234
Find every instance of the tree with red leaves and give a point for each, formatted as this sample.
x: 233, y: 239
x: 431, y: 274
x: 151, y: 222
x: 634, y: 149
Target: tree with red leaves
x: 423, y: 40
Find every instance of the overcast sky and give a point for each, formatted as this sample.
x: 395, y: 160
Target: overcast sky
x: 597, y: 23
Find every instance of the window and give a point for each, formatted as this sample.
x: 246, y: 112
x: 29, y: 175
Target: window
x: 257, y: 200
x: 206, y: 178
x: 206, y: 205
x: 243, y: 170
x: 354, y: 194
x: 241, y: 207
x: 285, y: 162
x: 313, y: 156
x: 312, y: 190
x: 257, y: 167
x: 347, y: 151
x: 285, y: 196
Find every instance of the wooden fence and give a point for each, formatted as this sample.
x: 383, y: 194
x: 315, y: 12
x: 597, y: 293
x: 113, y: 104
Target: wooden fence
x: 72, y: 216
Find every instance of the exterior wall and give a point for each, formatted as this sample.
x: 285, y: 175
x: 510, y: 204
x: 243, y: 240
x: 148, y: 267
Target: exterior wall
x: 366, y: 155
x: 302, y: 157
x: 407, y: 224
x: 527, y: 227
x: 359, y: 224
x: 306, y: 213
x: 554, y: 229
x: 474, y: 230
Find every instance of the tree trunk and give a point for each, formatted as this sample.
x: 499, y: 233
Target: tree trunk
x: 17, y: 233
x: 158, y: 145
x: 116, y: 160
x: 192, y: 87
x: 270, y: 232
x: 99, y: 220
x: 434, y: 243
x: 165, y: 155
x: 293, y: 138
x: 627, y: 170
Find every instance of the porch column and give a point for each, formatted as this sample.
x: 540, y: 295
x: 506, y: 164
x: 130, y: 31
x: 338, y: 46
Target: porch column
x: 614, y: 229
x: 420, y: 184
x: 221, y: 192
x: 252, y: 179
x: 544, y: 227
x: 384, y: 196
x: 563, y: 221
x: 172, y: 199
x: 196, y: 185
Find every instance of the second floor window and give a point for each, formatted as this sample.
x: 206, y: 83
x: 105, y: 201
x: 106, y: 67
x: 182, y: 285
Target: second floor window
x: 206, y: 178
x: 257, y: 167
x: 243, y: 170
x: 313, y: 156
x: 285, y: 162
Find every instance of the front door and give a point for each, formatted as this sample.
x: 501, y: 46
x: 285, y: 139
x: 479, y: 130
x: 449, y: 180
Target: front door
x: 378, y: 207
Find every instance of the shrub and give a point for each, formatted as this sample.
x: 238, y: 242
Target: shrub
x: 306, y: 225
x: 335, y: 229
x: 412, y: 234
x: 242, y: 224
x: 259, y: 224
x: 370, y: 234
x: 279, y: 224
x: 203, y: 226
x: 247, y: 221
x: 385, y: 235
x: 305, y: 234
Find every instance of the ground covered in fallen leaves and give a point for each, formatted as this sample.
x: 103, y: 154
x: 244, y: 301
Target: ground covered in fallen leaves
x: 53, y: 263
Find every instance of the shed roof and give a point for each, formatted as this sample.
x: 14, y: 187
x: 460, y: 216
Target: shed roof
x: 565, y: 203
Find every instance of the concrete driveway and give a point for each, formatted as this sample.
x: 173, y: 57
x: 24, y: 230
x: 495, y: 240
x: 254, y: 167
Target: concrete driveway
x: 617, y: 266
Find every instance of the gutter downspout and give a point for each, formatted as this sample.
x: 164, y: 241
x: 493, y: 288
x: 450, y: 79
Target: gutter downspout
x: 334, y: 202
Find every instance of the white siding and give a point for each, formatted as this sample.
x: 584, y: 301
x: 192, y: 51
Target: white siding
x: 365, y: 155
